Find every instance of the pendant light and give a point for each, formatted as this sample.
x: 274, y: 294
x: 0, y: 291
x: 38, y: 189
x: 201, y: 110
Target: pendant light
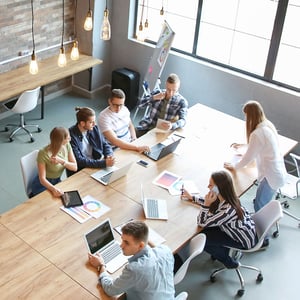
x: 140, y: 34
x: 88, y: 23
x: 62, y: 60
x: 33, y: 66
x: 75, y: 51
x: 105, y: 29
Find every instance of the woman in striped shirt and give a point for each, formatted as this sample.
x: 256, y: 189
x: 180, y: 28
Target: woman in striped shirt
x: 224, y: 221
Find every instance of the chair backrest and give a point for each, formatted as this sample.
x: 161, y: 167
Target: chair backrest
x: 296, y: 160
x: 27, y: 101
x: 182, y: 296
x: 265, y: 218
x: 29, y: 169
x: 197, y: 244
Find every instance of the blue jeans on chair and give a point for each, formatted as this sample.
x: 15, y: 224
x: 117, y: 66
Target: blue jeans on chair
x: 264, y: 194
x: 37, y: 187
x: 216, y: 242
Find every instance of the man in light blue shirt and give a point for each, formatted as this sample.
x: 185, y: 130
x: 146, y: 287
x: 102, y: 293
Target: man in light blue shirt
x: 149, y: 272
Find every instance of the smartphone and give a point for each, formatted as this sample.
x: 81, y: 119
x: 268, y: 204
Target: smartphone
x: 143, y: 163
x: 215, y: 190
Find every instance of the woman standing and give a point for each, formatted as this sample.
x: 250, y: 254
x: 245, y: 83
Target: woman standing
x: 263, y: 147
x: 223, y: 220
x: 52, y: 161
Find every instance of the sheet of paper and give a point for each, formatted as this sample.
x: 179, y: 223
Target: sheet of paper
x: 189, y: 185
x: 77, y: 213
x: 166, y: 179
x: 94, y: 207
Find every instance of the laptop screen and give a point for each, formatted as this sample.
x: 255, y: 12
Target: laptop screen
x: 99, y: 237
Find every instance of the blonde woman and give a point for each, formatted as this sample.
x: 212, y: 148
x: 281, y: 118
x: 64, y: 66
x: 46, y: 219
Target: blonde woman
x: 52, y: 161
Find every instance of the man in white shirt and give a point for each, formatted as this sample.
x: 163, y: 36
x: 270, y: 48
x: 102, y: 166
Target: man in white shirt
x: 116, y: 125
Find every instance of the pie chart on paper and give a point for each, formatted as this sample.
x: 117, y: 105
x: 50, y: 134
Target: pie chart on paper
x: 92, y: 206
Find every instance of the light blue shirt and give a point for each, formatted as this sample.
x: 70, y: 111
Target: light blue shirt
x: 147, y: 276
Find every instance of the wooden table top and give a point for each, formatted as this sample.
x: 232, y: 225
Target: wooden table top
x: 15, y: 82
x: 58, y: 238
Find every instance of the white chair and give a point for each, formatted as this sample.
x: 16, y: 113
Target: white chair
x: 291, y: 189
x: 196, y: 247
x: 264, y: 219
x: 25, y: 103
x: 29, y: 170
x: 182, y: 296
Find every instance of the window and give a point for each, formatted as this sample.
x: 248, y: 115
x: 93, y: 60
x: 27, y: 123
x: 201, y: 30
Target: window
x: 256, y: 37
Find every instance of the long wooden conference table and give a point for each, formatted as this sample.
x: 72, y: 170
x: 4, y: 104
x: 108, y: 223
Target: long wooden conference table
x: 15, y: 82
x: 42, y: 250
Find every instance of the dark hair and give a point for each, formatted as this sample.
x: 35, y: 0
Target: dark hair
x: 84, y: 113
x: 117, y: 93
x: 173, y: 78
x: 223, y: 181
x: 138, y: 230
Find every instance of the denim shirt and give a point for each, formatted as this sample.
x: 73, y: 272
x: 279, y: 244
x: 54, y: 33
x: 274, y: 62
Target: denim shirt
x: 147, y: 276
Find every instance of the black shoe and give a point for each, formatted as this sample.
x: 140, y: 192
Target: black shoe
x: 265, y: 244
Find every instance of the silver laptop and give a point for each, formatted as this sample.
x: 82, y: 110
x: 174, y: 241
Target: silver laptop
x: 111, y: 174
x: 154, y: 208
x: 101, y: 240
x: 161, y: 150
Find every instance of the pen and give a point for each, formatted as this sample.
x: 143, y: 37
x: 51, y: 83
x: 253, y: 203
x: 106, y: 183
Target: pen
x: 182, y: 189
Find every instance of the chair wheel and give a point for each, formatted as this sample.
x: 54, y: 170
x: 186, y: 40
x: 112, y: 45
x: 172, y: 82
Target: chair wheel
x: 212, y: 279
x: 240, y: 293
x: 259, y: 278
x: 31, y: 140
x: 39, y: 129
x: 275, y: 234
x: 11, y: 140
x: 286, y: 205
x: 6, y: 129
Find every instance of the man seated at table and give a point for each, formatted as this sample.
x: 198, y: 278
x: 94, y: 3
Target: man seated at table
x: 149, y: 272
x: 167, y: 105
x: 90, y: 148
x: 115, y: 124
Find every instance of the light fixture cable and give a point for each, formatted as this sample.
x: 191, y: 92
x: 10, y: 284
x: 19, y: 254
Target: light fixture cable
x: 75, y: 50
x: 33, y: 66
x: 62, y: 60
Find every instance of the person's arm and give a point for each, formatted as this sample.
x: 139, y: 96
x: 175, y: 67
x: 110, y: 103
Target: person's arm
x: 71, y: 163
x: 182, y: 114
x: 55, y: 191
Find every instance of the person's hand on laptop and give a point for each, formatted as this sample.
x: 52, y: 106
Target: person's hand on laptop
x: 96, y: 261
x: 110, y: 161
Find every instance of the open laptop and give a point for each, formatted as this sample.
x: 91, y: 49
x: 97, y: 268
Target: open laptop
x: 154, y: 208
x: 101, y: 240
x: 111, y: 174
x: 160, y: 150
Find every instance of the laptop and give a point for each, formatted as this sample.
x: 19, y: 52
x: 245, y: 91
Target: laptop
x: 101, y: 240
x: 161, y: 150
x: 111, y: 174
x: 154, y: 208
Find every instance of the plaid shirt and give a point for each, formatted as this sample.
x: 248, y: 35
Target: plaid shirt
x: 176, y: 110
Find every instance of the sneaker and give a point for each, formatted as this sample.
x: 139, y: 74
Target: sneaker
x: 265, y: 244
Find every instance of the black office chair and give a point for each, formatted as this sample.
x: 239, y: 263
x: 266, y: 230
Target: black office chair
x: 25, y: 103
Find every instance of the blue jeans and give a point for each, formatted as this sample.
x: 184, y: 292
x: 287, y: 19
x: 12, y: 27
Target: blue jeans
x: 37, y: 187
x: 264, y: 194
x: 216, y: 242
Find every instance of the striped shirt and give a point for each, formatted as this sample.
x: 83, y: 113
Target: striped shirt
x: 226, y: 218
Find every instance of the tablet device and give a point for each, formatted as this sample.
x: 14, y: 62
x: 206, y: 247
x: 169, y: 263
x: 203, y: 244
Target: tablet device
x: 71, y: 198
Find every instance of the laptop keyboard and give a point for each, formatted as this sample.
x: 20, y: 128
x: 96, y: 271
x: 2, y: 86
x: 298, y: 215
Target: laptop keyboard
x: 152, y: 207
x: 110, y: 253
x: 106, y: 177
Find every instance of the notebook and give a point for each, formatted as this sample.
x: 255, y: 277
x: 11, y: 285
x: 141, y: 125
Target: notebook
x: 160, y: 150
x: 154, y: 208
x: 101, y: 240
x: 111, y: 174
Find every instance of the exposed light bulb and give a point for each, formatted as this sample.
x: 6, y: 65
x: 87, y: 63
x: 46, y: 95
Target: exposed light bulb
x: 141, y: 34
x: 33, y: 66
x: 88, y: 23
x: 62, y: 60
x: 105, y: 29
x: 75, y: 51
